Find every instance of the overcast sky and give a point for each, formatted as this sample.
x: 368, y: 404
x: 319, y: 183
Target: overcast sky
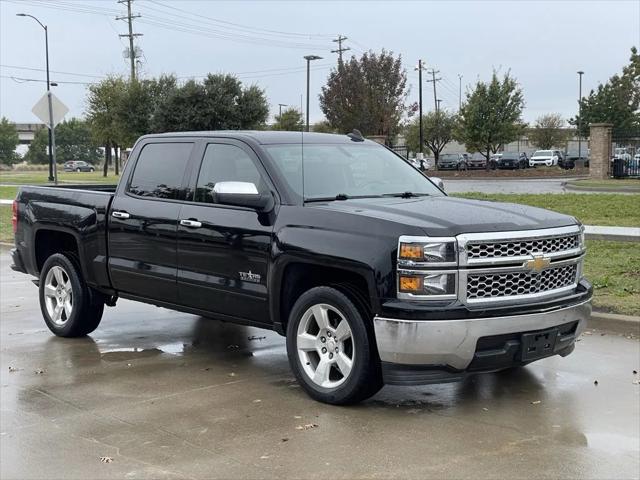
x: 542, y: 43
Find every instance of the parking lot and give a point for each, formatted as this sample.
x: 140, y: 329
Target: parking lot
x: 159, y: 394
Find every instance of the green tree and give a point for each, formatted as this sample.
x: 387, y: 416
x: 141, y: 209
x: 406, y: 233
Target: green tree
x: 9, y: 140
x: 323, y: 126
x: 39, y: 148
x: 75, y: 142
x: 218, y: 103
x: 616, y: 102
x: 491, y: 115
x: 367, y: 93
x: 105, y: 101
x: 290, y: 120
x: 438, y: 129
x: 549, y: 132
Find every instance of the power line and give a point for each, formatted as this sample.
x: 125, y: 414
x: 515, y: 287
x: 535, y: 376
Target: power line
x: 52, y: 71
x: 25, y: 80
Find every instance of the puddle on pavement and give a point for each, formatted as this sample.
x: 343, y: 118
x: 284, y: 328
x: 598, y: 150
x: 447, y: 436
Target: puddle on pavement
x: 131, y: 353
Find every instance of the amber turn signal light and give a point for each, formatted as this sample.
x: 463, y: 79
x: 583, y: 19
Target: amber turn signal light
x: 410, y: 284
x: 411, y: 251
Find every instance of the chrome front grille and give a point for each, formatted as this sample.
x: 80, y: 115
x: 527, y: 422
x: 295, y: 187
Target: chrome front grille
x: 510, y: 284
x: 517, y: 248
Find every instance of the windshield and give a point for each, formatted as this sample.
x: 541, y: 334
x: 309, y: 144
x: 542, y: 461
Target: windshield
x: 543, y: 153
x: 510, y: 156
x: 358, y: 170
x: 449, y: 156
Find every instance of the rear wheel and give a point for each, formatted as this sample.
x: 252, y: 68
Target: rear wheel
x: 78, y: 170
x: 331, y: 351
x: 69, y: 307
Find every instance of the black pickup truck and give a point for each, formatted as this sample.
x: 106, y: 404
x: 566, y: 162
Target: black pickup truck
x: 369, y: 269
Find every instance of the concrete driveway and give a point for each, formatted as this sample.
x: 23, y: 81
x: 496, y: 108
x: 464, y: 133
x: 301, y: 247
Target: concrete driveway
x: 160, y: 394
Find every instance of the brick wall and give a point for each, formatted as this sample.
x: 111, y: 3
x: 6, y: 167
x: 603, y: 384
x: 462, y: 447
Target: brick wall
x: 600, y: 143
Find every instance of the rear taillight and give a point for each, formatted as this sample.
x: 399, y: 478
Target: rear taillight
x: 14, y: 216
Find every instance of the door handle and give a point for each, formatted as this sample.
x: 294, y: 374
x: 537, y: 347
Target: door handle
x: 191, y: 223
x: 117, y: 214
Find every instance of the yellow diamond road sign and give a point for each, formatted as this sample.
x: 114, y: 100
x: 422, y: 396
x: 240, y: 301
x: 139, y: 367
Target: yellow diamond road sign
x: 41, y: 109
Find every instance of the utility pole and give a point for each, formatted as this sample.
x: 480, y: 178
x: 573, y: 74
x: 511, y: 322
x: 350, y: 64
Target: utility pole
x: 132, y: 51
x: 339, y: 51
x: 434, y: 80
x: 420, y: 68
x: 580, y: 73
x: 438, y: 104
x: 459, y: 92
x: 280, y: 105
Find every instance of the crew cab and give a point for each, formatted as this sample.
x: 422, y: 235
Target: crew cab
x: 369, y: 269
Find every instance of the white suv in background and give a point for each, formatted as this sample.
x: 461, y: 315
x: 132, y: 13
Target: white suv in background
x: 545, y: 157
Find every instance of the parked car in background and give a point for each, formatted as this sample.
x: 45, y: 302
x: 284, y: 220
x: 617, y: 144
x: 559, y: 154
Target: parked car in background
x: 513, y: 160
x: 566, y: 162
x: 622, y: 153
x: 78, y: 166
x: 452, y: 161
x: 477, y: 161
x: 545, y: 157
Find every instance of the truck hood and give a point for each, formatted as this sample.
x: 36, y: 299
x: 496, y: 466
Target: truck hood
x: 447, y: 216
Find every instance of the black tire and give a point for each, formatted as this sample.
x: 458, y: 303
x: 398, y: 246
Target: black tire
x: 365, y: 377
x: 78, y: 170
x: 92, y: 169
x: 87, y: 305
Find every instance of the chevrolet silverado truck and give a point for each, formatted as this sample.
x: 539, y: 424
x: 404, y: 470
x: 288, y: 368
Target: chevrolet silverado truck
x: 374, y: 275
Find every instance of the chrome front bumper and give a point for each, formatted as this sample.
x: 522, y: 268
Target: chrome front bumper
x: 452, y: 343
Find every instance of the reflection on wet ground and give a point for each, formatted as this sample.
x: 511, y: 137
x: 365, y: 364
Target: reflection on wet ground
x: 169, y: 395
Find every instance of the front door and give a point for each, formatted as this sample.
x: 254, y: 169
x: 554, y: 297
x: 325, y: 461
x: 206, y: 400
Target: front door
x: 144, y: 219
x: 223, y: 251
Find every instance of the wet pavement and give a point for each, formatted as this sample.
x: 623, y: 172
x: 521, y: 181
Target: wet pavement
x: 159, y: 394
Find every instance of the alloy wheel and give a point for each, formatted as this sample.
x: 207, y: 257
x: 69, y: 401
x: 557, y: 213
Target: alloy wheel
x: 325, y: 346
x: 58, y: 294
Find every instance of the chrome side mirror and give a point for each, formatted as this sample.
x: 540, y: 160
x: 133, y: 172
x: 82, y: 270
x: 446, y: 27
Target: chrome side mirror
x: 242, y: 194
x: 438, y: 181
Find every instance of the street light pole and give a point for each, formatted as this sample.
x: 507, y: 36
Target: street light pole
x: 281, y: 105
x: 309, y: 58
x: 53, y: 174
x: 580, y: 73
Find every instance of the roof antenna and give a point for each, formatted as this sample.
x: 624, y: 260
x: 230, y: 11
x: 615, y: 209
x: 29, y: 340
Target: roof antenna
x: 302, y: 153
x: 355, y: 136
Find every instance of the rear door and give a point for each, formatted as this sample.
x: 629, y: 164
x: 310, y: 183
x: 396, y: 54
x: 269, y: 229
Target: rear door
x: 223, y: 251
x: 144, y: 219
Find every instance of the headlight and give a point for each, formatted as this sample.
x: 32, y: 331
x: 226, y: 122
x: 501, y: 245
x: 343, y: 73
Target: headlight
x: 427, y: 284
x: 439, y: 251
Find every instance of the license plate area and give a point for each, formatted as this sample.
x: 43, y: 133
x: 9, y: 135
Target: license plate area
x: 539, y: 344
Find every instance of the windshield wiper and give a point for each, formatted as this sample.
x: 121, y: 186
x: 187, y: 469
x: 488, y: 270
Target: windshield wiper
x: 405, y: 195
x: 340, y: 196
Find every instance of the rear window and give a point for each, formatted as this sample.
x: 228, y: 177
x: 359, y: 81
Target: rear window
x: 160, y: 169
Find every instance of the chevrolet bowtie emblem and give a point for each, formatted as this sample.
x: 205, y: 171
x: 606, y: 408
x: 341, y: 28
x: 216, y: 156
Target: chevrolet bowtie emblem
x: 537, y: 264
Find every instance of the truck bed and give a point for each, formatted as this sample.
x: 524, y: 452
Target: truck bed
x: 78, y: 210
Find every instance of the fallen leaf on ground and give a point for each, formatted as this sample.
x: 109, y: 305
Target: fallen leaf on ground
x: 595, y: 382
x: 307, y: 426
x: 39, y: 371
x: 536, y: 402
x: 106, y: 459
x: 265, y: 457
x: 635, y: 372
x: 285, y: 440
x: 232, y: 374
x: 12, y: 369
x: 297, y: 417
x: 485, y: 409
x: 257, y: 400
x: 588, y: 333
x: 254, y: 337
x: 233, y: 347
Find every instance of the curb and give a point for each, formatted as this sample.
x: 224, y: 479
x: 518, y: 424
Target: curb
x: 469, y: 178
x: 581, y: 188
x: 613, y: 322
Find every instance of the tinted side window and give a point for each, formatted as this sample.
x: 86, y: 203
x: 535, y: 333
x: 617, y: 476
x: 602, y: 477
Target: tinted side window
x: 225, y: 163
x: 160, y: 169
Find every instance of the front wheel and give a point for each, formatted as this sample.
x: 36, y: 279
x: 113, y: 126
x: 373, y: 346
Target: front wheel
x: 78, y: 170
x: 69, y: 307
x: 331, y: 351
